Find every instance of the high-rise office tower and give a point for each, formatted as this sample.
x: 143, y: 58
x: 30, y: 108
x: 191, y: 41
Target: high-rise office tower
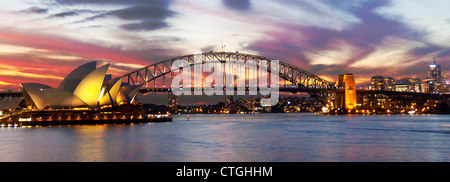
x: 434, y: 72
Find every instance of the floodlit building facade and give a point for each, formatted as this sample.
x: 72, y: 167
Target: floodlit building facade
x: 85, y: 87
x: 382, y: 83
x: 408, y: 85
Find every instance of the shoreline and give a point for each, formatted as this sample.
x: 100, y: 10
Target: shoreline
x: 81, y: 122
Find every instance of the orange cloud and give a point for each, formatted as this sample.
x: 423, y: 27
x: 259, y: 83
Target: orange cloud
x: 29, y: 58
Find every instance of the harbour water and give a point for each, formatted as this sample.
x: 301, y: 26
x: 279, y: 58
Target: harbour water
x: 239, y: 138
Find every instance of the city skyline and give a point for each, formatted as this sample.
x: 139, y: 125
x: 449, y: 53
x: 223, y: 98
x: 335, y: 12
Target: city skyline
x: 41, y: 41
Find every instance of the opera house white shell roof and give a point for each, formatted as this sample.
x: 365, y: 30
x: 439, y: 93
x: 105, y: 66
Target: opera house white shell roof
x: 86, y: 86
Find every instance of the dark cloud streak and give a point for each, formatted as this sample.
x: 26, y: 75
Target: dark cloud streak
x: 35, y: 9
x: 150, y: 15
x: 237, y: 4
x: 63, y: 14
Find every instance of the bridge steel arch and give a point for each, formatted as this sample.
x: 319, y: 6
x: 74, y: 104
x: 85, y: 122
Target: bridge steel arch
x: 317, y: 87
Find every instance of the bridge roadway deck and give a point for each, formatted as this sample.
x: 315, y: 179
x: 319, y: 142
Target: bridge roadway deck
x: 283, y: 89
x: 296, y: 89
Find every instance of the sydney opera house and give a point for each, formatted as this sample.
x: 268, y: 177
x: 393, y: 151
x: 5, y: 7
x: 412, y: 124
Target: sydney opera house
x: 85, y: 87
x: 86, y: 95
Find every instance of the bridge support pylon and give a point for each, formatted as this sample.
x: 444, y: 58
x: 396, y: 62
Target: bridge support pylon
x: 346, y: 92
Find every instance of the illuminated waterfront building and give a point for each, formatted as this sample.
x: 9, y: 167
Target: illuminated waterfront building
x: 376, y: 83
x: 85, y: 87
x: 382, y: 83
x: 86, y: 96
x: 389, y: 83
x: 408, y: 85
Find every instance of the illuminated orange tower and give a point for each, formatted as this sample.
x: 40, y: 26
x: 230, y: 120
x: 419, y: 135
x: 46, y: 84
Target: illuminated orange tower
x: 347, y: 98
x: 350, y: 91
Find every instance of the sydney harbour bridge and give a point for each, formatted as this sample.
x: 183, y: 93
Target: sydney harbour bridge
x: 157, y: 78
x: 292, y: 78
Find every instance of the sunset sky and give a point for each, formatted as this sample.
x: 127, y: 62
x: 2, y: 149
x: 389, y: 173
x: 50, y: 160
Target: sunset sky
x: 43, y: 40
